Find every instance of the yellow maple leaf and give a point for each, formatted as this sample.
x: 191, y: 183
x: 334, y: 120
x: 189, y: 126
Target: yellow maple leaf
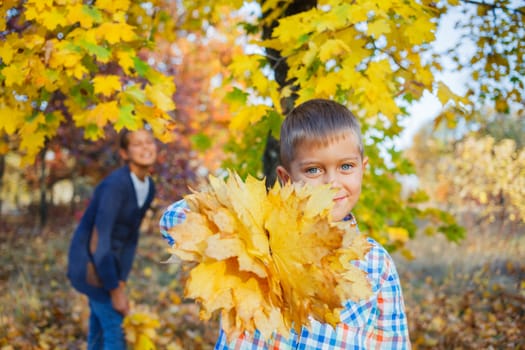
x: 268, y: 260
x: 106, y: 84
x: 76, y: 13
x: 444, y: 93
x: 161, y: 123
x: 378, y: 27
x: 327, y: 85
x: 246, y: 116
x: 15, y: 74
x: 125, y: 60
x: 6, y: 52
x: 116, y: 32
x: 160, y: 97
x: 398, y: 234
x: 13, y: 122
x: 53, y: 18
x: 357, y: 14
x: 32, y: 138
x: 140, y: 330
x: 103, y: 113
x: 421, y: 31
x: 39, y: 5
x: 113, y: 5
x: 332, y: 48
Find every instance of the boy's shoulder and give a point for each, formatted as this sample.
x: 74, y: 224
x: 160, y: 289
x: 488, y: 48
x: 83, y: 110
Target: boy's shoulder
x: 378, y: 264
x: 116, y: 177
x: 377, y: 251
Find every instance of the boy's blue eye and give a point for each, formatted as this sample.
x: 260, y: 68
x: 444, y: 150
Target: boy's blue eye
x: 312, y: 170
x: 346, y: 166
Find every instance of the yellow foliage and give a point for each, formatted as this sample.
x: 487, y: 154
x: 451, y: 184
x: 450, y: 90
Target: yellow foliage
x: 332, y: 51
x: 444, y: 94
x: 247, y: 116
x: 125, y: 60
x: 11, y: 124
x: 161, y: 96
x: 58, y: 47
x: 397, y: 234
x: 15, y: 74
x: 140, y: 330
x: 76, y: 13
x: 268, y: 260
x: 331, y: 48
x: 106, y: 84
x: 112, y: 6
x: 6, y: 52
x: 421, y: 30
x: 116, y: 32
x: 378, y: 28
x: 53, y: 18
x: 103, y: 113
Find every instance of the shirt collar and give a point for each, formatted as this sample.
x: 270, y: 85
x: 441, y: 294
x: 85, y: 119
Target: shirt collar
x: 351, y: 218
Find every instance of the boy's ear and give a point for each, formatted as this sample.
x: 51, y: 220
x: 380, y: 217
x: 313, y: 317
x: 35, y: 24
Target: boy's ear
x: 123, y: 154
x: 365, y: 162
x: 282, y: 174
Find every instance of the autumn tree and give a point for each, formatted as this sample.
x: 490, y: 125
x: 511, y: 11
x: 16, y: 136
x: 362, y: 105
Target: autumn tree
x: 80, y: 60
x: 80, y: 63
x: 366, y: 55
x: 480, y: 174
x: 491, y: 50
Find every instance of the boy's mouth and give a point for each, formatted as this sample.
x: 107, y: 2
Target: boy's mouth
x: 339, y: 198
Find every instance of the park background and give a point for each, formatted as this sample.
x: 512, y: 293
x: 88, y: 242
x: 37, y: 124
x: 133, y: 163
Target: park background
x: 444, y: 191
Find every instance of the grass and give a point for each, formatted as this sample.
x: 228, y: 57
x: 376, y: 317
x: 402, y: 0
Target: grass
x: 458, y: 296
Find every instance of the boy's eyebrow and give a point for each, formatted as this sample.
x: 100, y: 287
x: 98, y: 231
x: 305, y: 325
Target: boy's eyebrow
x: 310, y: 161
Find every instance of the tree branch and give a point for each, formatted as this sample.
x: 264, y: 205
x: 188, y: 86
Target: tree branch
x: 495, y: 6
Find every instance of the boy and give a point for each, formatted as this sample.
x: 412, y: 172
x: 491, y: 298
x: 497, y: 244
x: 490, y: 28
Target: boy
x: 104, y: 243
x: 321, y: 143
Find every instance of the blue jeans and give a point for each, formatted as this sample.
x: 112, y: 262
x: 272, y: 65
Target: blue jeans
x: 105, y: 327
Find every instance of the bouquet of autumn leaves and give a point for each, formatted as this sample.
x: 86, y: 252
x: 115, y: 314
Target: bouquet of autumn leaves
x: 268, y: 260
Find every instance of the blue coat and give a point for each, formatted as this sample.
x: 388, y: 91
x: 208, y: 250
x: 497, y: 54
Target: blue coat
x: 104, y: 244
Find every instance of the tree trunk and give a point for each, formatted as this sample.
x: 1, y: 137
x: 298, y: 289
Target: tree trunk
x: 43, y: 188
x: 2, y: 170
x: 280, y: 67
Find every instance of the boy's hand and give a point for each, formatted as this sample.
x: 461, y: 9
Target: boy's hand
x: 119, y: 299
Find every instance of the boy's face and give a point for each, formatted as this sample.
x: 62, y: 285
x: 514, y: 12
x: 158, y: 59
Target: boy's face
x: 142, y: 150
x: 337, y: 162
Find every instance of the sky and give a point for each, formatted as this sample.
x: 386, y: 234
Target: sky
x: 428, y: 107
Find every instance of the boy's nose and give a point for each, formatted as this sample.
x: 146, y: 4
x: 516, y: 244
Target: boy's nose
x: 332, y: 179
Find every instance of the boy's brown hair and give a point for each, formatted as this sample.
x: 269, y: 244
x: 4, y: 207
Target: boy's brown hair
x: 316, y: 120
x: 123, y: 136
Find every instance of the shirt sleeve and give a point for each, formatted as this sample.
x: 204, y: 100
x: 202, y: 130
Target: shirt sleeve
x: 106, y: 263
x: 382, y: 317
x: 173, y: 215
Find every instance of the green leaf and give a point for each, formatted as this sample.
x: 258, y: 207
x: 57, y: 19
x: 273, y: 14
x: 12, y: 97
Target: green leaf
x: 141, y: 67
x: 89, y: 62
x: 273, y: 121
x: 453, y: 232
x: 91, y: 132
x: 82, y: 92
x: 92, y: 12
x: 304, y: 38
x: 135, y: 94
x: 127, y: 118
x: 100, y: 52
x: 249, y: 28
x: 201, y: 142
x: 236, y: 96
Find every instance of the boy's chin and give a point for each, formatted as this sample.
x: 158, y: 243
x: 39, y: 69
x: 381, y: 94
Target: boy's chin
x: 338, y: 216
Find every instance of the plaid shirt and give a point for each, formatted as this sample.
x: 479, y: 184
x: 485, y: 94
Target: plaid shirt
x: 377, y: 323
